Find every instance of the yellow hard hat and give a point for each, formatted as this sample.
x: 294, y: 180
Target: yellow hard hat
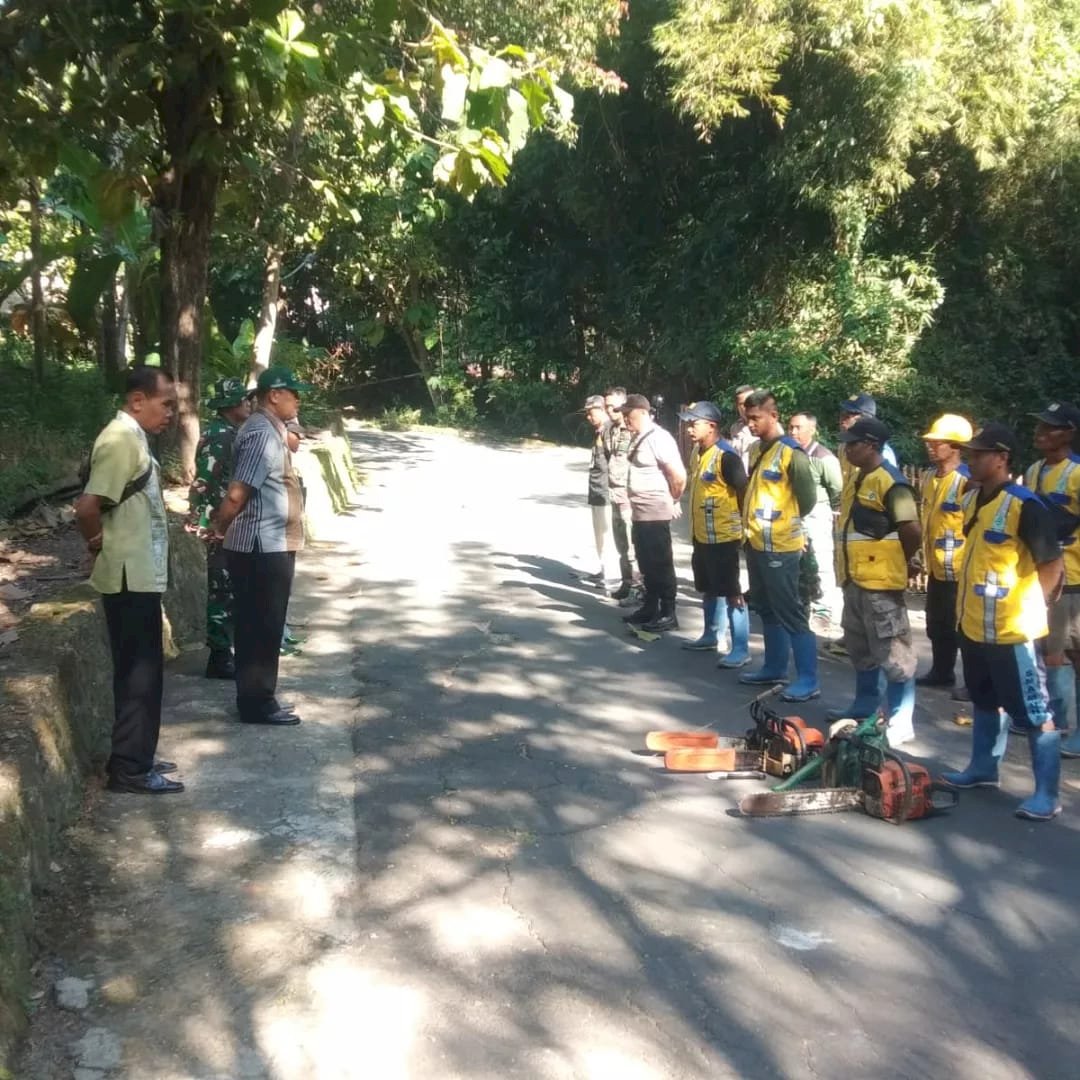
x: 950, y: 428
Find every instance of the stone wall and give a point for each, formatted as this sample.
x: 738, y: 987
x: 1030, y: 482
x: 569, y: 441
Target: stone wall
x: 55, y: 718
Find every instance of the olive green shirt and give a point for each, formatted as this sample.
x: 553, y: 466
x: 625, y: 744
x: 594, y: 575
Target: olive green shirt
x: 135, y: 533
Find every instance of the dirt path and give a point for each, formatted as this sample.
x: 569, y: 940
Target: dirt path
x: 458, y: 867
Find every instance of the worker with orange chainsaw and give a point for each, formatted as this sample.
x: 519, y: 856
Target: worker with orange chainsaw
x: 879, y: 534
x: 1012, y: 569
x: 781, y: 492
x: 717, y: 482
x: 943, y: 543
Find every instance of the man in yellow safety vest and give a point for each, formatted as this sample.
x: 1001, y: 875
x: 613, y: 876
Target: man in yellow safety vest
x: 1012, y: 569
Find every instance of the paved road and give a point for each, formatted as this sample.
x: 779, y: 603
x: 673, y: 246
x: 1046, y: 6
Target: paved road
x: 459, y: 867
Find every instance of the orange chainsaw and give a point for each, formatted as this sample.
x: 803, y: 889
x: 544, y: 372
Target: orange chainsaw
x: 776, y: 745
x: 858, y: 771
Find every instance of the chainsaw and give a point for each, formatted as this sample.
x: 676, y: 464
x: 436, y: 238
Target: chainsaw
x: 776, y: 746
x: 858, y: 772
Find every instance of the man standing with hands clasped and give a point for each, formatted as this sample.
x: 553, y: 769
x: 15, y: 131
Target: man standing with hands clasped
x: 1012, y: 570
x: 121, y: 516
x: 655, y: 484
x: 781, y: 493
x: 261, y: 523
x: 717, y: 485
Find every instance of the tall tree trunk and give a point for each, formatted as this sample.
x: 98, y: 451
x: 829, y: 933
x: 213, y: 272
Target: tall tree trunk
x: 185, y: 263
x: 110, y: 332
x: 189, y: 106
x: 38, y: 327
x: 271, y: 287
x: 268, y: 311
x: 123, y: 321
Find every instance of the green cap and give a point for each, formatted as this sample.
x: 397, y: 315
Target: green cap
x: 227, y: 393
x: 281, y: 378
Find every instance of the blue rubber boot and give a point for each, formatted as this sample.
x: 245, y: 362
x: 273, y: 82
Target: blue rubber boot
x: 1046, y: 765
x: 867, y: 697
x: 777, y: 649
x: 739, y: 621
x: 1061, y: 689
x: 989, y: 737
x: 900, y: 699
x: 805, y: 686
x: 708, y: 641
x: 1070, y: 747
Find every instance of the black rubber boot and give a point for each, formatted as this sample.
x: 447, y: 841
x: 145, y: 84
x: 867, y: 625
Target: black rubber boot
x: 219, y: 664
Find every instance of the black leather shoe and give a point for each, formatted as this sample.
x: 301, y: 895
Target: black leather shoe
x: 152, y: 783
x: 623, y: 591
x: 661, y: 624
x: 643, y: 614
x: 164, y: 767
x: 220, y: 665
x: 281, y: 718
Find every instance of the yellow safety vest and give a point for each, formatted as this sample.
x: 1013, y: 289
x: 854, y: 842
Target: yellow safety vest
x: 714, y: 504
x: 770, y: 511
x: 873, y: 556
x: 943, y: 522
x: 999, y: 600
x: 1059, y: 486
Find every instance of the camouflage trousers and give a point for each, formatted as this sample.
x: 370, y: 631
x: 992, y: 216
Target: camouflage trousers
x: 219, y: 601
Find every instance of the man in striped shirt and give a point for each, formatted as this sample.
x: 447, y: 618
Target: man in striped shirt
x: 261, y: 522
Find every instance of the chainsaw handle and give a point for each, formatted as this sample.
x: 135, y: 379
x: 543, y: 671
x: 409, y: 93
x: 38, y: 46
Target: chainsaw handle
x: 909, y: 786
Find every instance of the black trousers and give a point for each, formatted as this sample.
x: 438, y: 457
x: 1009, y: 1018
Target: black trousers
x: 652, y: 546
x: 941, y: 624
x: 261, y: 583
x: 134, y: 622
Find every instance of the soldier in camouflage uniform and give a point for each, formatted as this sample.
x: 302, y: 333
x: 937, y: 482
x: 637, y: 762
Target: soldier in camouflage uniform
x: 213, y: 469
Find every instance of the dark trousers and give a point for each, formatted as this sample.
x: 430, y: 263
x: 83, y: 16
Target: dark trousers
x: 774, y: 588
x: 621, y: 526
x: 1009, y: 677
x: 134, y: 622
x: 652, y: 546
x: 941, y: 626
x: 261, y: 582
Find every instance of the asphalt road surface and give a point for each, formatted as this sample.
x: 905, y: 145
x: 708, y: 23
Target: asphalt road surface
x: 461, y: 865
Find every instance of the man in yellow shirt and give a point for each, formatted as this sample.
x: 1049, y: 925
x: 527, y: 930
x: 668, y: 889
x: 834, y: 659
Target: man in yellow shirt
x: 943, y: 542
x: 1056, y: 479
x: 121, y: 516
x: 782, y: 491
x: 1012, y: 569
x: 717, y: 481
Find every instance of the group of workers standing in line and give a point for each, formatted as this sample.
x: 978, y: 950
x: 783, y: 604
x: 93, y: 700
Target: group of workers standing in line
x: 1001, y: 554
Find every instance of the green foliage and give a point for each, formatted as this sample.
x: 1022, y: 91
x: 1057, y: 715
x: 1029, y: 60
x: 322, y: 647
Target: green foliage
x: 526, y: 408
x: 44, y: 429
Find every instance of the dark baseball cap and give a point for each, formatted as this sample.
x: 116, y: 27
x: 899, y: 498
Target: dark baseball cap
x: 594, y: 401
x: 281, y: 378
x: 635, y: 401
x: 1059, y: 414
x: 994, y: 436
x: 865, y: 430
x: 702, y: 410
x: 860, y: 405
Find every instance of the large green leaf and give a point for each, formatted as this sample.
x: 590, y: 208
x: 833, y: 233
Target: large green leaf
x: 89, y: 281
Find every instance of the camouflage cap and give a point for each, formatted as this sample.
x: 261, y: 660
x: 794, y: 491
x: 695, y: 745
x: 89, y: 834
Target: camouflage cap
x: 227, y: 393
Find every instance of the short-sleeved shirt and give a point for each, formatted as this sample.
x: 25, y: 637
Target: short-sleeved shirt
x: 617, y: 440
x: 272, y: 518
x: 134, y: 533
x: 647, y: 486
x: 826, y: 468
